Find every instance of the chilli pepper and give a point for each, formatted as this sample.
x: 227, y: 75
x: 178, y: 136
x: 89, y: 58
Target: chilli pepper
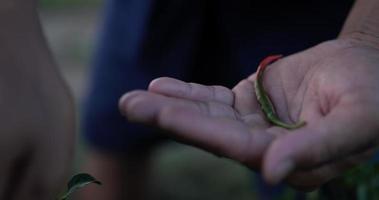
x: 264, y: 100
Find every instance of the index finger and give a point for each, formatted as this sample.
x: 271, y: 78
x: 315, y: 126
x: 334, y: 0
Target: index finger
x: 193, y: 91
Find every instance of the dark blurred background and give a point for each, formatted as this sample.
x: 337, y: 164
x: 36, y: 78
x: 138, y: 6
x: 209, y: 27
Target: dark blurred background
x: 179, y: 172
x: 71, y: 27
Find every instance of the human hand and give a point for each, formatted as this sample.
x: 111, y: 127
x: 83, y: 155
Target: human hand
x: 36, y: 133
x: 333, y: 87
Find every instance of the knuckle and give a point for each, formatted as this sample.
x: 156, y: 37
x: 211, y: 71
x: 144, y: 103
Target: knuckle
x: 224, y: 94
x: 190, y: 90
x: 204, y: 107
x: 156, y: 82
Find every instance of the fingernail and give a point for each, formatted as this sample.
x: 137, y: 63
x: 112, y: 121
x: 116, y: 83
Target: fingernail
x: 282, y: 170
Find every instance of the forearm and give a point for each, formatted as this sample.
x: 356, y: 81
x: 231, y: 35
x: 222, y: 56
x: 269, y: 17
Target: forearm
x: 362, y: 23
x: 27, y: 68
x: 25, y: 59
x: 22, y: 43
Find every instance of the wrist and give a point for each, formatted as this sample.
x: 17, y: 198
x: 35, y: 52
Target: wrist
x: 362, y: 25
x: 363, y: 38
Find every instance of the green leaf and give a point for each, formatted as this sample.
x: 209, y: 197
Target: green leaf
x: 78, y: 181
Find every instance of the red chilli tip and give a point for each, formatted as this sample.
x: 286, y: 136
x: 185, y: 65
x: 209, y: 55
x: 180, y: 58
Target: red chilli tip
x: 267, y: 61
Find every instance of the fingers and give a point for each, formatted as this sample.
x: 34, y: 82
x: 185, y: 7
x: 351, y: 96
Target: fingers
x: 142, y: 106
x: 193, y: 91
x: 210, y: 125
x: 221, y: 136
x: 245, y: 101
x: 334, y: 137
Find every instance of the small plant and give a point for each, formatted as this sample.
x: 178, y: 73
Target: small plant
x: 78, y: 181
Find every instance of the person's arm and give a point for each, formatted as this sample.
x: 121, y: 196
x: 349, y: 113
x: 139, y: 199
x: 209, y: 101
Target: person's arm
x: 37, y: 117
x: 362, y: 23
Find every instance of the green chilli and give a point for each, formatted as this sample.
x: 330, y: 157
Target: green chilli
x: 263, y: 99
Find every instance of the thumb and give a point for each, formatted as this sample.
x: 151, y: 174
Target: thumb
x: 333, y: 137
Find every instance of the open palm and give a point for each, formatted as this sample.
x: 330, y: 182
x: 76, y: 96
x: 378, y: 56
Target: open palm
x: 334, y: 87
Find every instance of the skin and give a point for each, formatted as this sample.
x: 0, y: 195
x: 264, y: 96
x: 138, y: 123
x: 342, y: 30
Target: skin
x: 321, y: 85
x: 37, y: 115
x: 264, y: 100
x: 332, y: 86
